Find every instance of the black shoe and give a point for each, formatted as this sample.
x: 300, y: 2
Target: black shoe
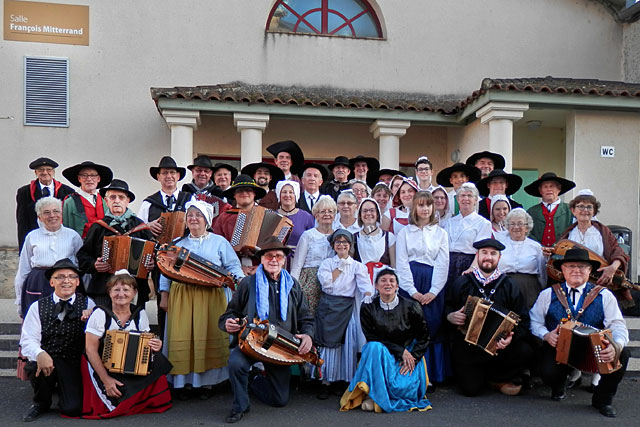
x: 33, y: 413
x: 204, y: 393
x: 606, y: 410
x: 574, y: 384
x: 181, y: 394
x: 527, y: 382
x: 558, y: 396
x: 324, y: 392
x: 234, y: 417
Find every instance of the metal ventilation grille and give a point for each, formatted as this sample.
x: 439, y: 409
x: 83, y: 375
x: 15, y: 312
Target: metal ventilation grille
x: 46, y: 91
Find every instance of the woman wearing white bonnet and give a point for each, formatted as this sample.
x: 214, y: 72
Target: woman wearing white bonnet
x: 288, y: 193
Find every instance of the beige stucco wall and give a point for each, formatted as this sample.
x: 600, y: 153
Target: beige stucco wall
x: 542, y: 149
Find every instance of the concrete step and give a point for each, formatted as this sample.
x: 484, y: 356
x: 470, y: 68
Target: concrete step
x: 8, y: 359
x: 9, y: 342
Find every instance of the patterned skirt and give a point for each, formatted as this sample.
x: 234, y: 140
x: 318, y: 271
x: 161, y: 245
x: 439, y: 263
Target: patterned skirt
x: 311, y: 287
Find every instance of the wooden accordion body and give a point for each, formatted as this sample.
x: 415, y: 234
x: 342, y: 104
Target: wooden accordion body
x: 269, y: 343
x: 174, y: 225
x: 127, y: 352
x: 254, y: 226
x: 130, y: 253
x: 486, y: 323
x: 579, y: 346
x: 184, y: 266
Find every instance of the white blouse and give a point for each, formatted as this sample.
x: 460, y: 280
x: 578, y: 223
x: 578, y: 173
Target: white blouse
x: 354, y: 275
x: 591, y: 239
x: 427, y: 245
x: 95, y: 324
x: 464, y: 231
x: 523, y: 256
x: 337, y: 225
x: 313, y: 247
x: 371, y: 247
x: 395, y: 225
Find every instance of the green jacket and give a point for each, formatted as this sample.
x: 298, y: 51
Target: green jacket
x: 561, y: 220
x: 75, y: 218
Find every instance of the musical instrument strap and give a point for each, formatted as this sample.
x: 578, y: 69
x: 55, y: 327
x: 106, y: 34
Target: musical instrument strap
x: 562, y: 297
x: 498, y: 282
x: 135, y: 229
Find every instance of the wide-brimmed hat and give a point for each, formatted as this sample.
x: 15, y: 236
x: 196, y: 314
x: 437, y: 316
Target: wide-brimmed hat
x: 244, y: 181
x: 119, y: 185
x: 565, y: 184
x: 514, y: 182
x: 498, y: 160
x: 488, y: 243
x: 59, y: 265
x: 341, y: 161
x: 201, y: 161
x: 322, y: 169
x: 270, y: 244
x: 71, y: 173
x: 167, y: 162
x: 42, y: 161
x: 372, y: 163
x: 373, y: 179
x: 472, y: 172
x: 218, y: 166
x: 276, y: 172
x: 297, y: 158
x: 576, y: 255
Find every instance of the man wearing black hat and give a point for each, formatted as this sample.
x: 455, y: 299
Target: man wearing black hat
x: 224, y: 175
x: 384, y: 175
x: 313, y: 175
x: 118, y: 220
x: 497, y: 182
x: 288, y: 157
x: 472, y: 366
x: 364, y: 167
x: 454, y: 176
x: 53, y: 341
x: 271, y: 294
x: 43, y: 186
x: 266, y: 176
x: 340, y: 168
x: 203, y: 188
x: 84, y: 207
x: 578, y: 299
x: 486, y: 161
x: 552, y: 216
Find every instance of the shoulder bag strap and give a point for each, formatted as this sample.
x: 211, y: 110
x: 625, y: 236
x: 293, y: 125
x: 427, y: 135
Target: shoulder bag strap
x: 108, y: 227
x: 562, y: 297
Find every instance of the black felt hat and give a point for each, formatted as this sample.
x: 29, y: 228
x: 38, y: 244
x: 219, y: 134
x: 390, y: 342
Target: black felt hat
x: 71, y: 173
x: 372, y: 163
x: 276, y: 172
x: 372, y: 180
x: 498, y: 160
x: 167, y: 162
x: 297, y: 158
x: 565, y: 184
x: 234, y: 171
x: 514, y: 182
x: 340, y: 161
x: 576, y: 255
x: 201, y: 161
x: 271, y: 244
x: 42, y: 161
x: 488, y: 243
x: 322, y: 169
x: 119, y: 185
x: 59, y: 265
x: 244, y: 181
x: 472, y: 172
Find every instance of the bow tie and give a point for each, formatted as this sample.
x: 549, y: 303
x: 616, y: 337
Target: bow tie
x: 66, y: 308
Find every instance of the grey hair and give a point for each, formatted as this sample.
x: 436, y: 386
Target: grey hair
x: 470, y: 187
x: 519, y: 213
x: 47, y: 201
x: 324, y: 202
x: 347, y: 193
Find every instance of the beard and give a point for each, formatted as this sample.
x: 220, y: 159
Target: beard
x: 487, y: 267
x: 262, y: 181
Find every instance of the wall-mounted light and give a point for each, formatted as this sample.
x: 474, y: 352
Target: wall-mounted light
x: 455, y: 155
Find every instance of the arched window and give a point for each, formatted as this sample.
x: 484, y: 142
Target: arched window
x: 345, y: 18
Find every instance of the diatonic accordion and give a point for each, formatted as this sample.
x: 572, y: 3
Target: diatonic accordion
x: 174, y: 225
x: 130, y: 253
x: 486, y: 323
x: 127, y: 352
x: 579, y: 346
x: 253, y: 227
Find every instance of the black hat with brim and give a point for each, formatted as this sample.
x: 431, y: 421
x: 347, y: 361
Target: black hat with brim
x: 322, y: 169
x: 118, y: 185
x: 340, y: 161
x: 498, y: 160
x: 276, y: 172
x: 167, y: 162
x: 272, y: 244
x: 60, y: 265
x: 71, y: 173
x: 244, y: 181
x: 565, y: 184
x: 576, y: 255
x: 234, y: 171
x: 488, y: 243
x: 42, y: 161
x: 472, y: 172
x: 201, y: 161
x: 297, y: 158
x: 374, y: 179
x: 372, y: 163
x: 514, y: 182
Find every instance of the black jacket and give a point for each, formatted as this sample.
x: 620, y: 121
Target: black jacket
x: 483, y: 210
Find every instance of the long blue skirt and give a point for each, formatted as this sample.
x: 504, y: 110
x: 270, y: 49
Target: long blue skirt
x: 378, y: 376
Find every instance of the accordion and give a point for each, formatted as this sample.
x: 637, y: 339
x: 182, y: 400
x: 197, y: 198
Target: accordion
x: 579, y: 346
x: 486, y: 323
x: 253, y: 227
x: 127, y: 252
x: 127, y: 352
x: 184, y: 266
x: 174, y: 225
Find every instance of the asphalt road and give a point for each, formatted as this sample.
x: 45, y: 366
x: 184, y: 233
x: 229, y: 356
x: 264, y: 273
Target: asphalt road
x: 491, y: 409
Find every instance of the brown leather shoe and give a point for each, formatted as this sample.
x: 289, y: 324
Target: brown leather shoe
x: 508, y: 389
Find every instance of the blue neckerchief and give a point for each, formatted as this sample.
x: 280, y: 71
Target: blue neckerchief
x: 120, y: 220
x: 262, y: 293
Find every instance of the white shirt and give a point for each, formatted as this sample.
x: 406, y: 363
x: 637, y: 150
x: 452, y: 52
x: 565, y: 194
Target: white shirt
x: 371, y: 246
x: 50, y: 187
x: 91, y: 198
x: 43, y: 248
x: 95, y: 324
x: 313, y: 247
x: 337, y: 225
x: 551, y: 206
x: 524, y: 257
x: 612, y: 316
x: 143, y: 213
x: 354, y: 275
x: 32, y: 328
x: 307, y: 197
x: 427, y: 245
x: 591, y: 239
x: 464, y: 231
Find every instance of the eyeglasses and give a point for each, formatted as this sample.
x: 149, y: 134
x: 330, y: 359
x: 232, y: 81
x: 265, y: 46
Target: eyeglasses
x: 368, y: 211
x: 88, y: 175
x: 169, y: 172
x: 340, y: 243
x: 327, y: 212
x: 62, y: 277
x: 516, y: 224
x: 43, y: 170
x: 584, y: 207
x: 359, y: 191
x: 581, y: 267
x: 53, y: 212
x: 423, y: 169
x: 269, y: 257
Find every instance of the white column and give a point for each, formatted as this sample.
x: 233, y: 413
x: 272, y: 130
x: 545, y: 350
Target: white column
x: 251, y: 128
x: 182, y: 124
x: 500, y: 116
x: 388, y: 133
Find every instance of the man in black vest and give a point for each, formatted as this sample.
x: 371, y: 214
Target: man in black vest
x: 27, y: 196
x: 472, y: 366
x: 53, y: 341
x: 340, y: 168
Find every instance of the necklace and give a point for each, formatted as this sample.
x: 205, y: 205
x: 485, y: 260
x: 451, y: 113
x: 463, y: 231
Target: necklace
x: 287, y: 213
x: 119, y: 322
x: 369, y: 229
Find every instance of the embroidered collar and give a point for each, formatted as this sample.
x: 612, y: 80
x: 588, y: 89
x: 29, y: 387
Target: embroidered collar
x: 390, y: 306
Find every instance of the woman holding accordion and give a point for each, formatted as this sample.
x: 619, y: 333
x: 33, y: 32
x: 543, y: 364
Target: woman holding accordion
x: 195, y: 346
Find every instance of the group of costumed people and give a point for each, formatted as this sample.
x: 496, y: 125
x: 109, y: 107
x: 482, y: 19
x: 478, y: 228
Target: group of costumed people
x: 373, y: 279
